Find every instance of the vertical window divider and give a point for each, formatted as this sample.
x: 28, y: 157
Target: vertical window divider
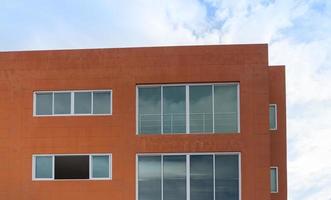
x: 213, y: 105
x: 188, y: 197
x: 161, y: 109
x: 214, y: 176
x: 161, y: 177
x: 187, y: 113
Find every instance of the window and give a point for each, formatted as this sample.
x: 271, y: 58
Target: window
x: 188, y: 176
x: 191, y: 108
x: 273, y: 117
x: 63, y: 103
x: 274, y: 179
x: 61, y: 167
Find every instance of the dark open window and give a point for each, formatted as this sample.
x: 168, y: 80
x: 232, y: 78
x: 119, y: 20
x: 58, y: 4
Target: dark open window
x: 72, y: 167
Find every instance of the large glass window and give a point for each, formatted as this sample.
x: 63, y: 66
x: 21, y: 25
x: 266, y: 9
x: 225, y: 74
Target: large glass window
x: 52, y: 167
x: 174, y: 109
x: 174, y: 177
x: 201, y: 177
x: 149, y: 110
x: 226, y: 177
x: 272, y: 116
x: 194, y: 177
x: 195, y: 108
x: 149, y: 178
x: 201, y: 109
x: 72, y: 103
x: 226, y: 108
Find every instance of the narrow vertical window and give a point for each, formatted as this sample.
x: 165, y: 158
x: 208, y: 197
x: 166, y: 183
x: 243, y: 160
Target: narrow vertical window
x: 174, y: 109
x: 201, y: 177
x: 274, y: 179
x: 174, y: 177
x: 43, y: 167
x: 44, y: 104
x: 201, y: 109
x: 149, y: 117
x: 149, y: 177
x: 226, y: 177
x: 226, y: 108
x: 273, y: 117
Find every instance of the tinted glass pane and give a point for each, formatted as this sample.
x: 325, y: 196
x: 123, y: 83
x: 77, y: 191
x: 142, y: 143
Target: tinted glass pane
x: 83, y: 102
x: 71, y: 167
x: 44, y: 166
x: 272, y: 117
x: 201, y: 177
x: 226, y: 108
x: 174, y: 178
x: 226, y: 177
x: 100, y: 166
x: 201, y: 115
x: 149, y: 121
x: 149, y: 178
x: 62, y: 103
x: 44, y: 103
x: 174, y: 108
x: 273, y: 179
x: 101, y: 102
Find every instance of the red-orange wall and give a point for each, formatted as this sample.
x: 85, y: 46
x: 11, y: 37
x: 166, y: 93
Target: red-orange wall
x: 22, y: 135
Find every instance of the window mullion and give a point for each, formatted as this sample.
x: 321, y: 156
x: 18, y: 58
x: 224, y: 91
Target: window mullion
x: 53, y: 167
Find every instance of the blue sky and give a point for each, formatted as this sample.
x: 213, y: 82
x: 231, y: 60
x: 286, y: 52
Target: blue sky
x: 298, y: 33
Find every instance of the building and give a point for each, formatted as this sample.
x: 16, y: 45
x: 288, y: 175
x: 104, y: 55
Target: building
x: 160, y: 123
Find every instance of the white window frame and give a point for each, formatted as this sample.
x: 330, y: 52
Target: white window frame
x: 277, y: 183
x: 188, y: 190
x: 72, y: 103
x: 276, y: 114
x: 53, y: 167
x: 187, y: 102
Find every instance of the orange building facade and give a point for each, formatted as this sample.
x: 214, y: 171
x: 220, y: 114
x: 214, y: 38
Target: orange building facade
x: 156, y: 123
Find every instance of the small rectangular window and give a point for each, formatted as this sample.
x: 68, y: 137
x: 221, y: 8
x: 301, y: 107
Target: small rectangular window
x: 62, y: 102
x: 101, y: 102
x: 54, y: 167
x: 273, y: 117
x: 83, y: 103
x: 44, y: 103
x: 274, y: 179
x: 100, y: 166
x: 71, y: 167
x: 44, y: 167
x: 66, y: 103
